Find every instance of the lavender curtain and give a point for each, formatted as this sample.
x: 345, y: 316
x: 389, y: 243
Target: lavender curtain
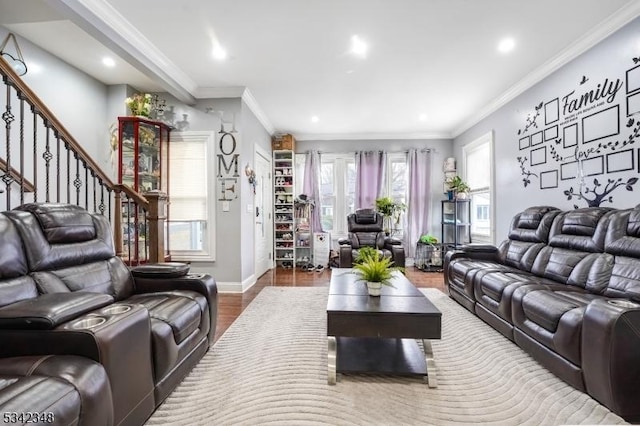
x: 370, y: 175
x: 419, y: 199
x: 311, y: 186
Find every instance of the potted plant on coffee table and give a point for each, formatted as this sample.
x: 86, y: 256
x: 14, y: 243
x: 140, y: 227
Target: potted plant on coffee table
x: 376, y: 270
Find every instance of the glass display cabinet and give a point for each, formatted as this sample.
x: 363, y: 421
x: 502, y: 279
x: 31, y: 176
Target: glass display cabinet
x: 143, y: 156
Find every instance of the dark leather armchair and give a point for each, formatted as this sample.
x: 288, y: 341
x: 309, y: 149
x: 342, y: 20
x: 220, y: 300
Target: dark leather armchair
x: 366, y: 230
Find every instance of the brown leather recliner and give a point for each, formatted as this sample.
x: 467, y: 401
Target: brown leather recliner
x: 56, y: 390
x: 366, y: 230
x: 63, y: 291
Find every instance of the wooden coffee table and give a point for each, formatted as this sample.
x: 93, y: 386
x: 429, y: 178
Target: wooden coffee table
x: 378, y: 334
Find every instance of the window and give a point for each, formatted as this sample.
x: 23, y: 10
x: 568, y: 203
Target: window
x: 397, y: 180
x: 337, y: 191
x: 478, y: 172
x: 338, y: 187
x: 191, y: 221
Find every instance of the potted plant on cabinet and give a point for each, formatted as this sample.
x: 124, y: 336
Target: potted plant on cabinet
x: 376, y: 270
x: 391, y: 211
x: 459, y: 187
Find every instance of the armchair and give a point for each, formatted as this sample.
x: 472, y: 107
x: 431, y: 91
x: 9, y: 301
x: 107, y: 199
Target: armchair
x: 366, y: 230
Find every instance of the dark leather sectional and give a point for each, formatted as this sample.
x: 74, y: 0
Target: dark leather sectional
x: 565, y: 287
x: 84, y: 337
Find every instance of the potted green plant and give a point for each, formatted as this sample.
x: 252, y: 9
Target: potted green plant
x: 365, y: 253
x: 376, y: 270
x: 390, y: 210
x: 428, y: 239
x: 432, y: 253
x: 459, y: 187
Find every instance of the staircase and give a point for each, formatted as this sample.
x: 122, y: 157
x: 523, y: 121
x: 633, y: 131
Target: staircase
x: 41, y: 162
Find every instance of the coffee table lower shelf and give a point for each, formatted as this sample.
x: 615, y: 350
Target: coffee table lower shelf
x: 380, y: 355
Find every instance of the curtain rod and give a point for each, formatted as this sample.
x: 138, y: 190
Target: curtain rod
x: 388, y: 152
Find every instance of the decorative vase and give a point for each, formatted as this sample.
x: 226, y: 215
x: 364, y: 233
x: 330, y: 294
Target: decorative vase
x: 374, y: 288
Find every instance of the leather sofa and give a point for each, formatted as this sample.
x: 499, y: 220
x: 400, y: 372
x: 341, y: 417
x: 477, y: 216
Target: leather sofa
x: 54, y: 390
x: 565, y: 287
x: 63, y: 291
x: 366, y: 230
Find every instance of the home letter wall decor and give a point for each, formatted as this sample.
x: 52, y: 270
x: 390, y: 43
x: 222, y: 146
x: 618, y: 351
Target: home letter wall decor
x: 583, y: 142
x: 227, y: 163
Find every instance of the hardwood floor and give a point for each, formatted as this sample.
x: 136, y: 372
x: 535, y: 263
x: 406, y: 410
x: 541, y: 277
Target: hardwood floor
x: 230, y: 305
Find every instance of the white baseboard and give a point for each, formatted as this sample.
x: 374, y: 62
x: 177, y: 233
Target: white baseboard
x: 236, y: 287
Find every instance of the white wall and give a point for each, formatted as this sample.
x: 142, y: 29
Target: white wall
x: 605, y: 64
x: 76, y: 99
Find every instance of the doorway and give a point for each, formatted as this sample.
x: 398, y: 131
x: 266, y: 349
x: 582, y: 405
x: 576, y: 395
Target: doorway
x: 263, y: 213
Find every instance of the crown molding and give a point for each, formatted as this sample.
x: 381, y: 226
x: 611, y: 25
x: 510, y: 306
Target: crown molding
x: 238, y: 92
x: 251, y: 102
x: 108, y: 26
x: 370, y: 136
x: 220, y: 92
x: 607, y: 27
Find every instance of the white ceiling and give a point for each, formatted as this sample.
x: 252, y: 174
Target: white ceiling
x: 433, y: 57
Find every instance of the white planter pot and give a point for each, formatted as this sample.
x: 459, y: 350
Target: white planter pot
x: 374, y: 288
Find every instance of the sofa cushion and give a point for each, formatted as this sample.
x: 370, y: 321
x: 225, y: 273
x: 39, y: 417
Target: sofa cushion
x: 494, y: 289
x: 43, y: 255
x: 182, y: 314
x: 553, y: 317
x: 545, y: 308
x: 581, y: 229
x: 533, y: 224
x: 62, y: 223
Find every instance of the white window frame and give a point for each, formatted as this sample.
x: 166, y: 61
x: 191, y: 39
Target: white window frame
x: 208, y: 253
x: 340, y: 181
x: 466, y: 150
x: 396, y: 157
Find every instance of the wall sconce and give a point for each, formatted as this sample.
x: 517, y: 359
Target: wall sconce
x: 17, y: 63
x: 251, y: 175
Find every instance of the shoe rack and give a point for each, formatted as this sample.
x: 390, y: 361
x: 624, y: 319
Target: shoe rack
x: 284, y: 209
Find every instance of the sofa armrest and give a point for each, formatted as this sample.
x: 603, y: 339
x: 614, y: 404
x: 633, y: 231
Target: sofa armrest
x: 344, y: 241
x: 610, y: 353
x: 200, y: 283
x: 473, y: 251
x: 161, y: 270
x: 47, y: 311
x: 397, y: 251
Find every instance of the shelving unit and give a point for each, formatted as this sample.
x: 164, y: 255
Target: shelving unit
x: 456, y: 223
x: 283, y: 202
x: 143, y: 165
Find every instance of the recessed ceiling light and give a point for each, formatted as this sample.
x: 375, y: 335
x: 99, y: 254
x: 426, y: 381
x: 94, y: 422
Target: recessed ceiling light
x: 315, y: 119
x: 108, y: 62
x: 423, y: 117
x: 219, y: 53
x: 506, y: 45
x: 358, y: 46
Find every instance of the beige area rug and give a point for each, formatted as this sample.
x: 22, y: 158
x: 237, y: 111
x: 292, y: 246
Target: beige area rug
x: 270, y: 367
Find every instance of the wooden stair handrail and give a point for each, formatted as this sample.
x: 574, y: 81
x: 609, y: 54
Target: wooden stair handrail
x: 48, y: 116
x: 135, y: 196
x: 17, y: 177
